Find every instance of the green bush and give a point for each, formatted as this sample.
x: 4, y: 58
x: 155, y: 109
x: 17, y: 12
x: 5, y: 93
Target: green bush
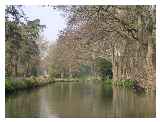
x: 18, y: 84
x: 126, y: 83
x: 12, y: 85
x: 9, y: 85
x: 28, y: 83
x: 25, y: 83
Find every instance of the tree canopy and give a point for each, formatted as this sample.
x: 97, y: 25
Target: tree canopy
x: 124, y: 35
x: 22, y: 50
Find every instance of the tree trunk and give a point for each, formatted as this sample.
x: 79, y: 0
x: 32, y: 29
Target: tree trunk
x: 70, y: 71
x: 62, y: 75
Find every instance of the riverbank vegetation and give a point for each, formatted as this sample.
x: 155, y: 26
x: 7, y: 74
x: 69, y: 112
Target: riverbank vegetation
x: 16, y: 84
x: 23, y: 51
x: 25, y: 83
x: 124, y: 83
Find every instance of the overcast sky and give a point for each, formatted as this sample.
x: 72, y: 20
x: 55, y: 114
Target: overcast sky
x: 51, y: 18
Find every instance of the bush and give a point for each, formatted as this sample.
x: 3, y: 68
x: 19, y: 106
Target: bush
x: 9, y: 85
x: 18, y: 84
x: 126, y: 83
x: 25, y: 83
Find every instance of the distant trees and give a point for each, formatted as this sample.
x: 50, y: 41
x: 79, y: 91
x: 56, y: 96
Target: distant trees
x: 104, y: 68
x: 22, y: 50
x: 63, y: 56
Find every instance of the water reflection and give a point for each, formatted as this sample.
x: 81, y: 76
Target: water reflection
x: 127, y: 103
x: 85, y: 99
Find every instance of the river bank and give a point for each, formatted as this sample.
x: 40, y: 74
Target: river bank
x: 130, y: 84
x: 16, y: 84
x: 13, y: 84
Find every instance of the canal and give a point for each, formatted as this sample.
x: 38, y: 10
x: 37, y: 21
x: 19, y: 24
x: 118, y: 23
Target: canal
x: 80, y: 99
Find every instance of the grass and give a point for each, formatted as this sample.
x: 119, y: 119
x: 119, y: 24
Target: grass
x: 75, y: 79
x: 12, y: 85
x: 124, y: 83
x: 66, y: 79
x: 26, y: 83
x: 128, y: 84
x: 90, y: 78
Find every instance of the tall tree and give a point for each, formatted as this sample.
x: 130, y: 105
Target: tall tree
x: 22, y: 51
x: 124, y: 35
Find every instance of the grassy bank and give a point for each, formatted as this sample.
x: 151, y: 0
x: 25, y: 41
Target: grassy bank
x: 66, y: 79
x: 130, y: 84
x: 76, y: 79
x: 12, y: 85
x: 90, y: 78
x: 124, y: 83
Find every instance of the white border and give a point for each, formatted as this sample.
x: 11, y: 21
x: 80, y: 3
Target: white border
x: 76, y: 2
x: 82, y: 2
x: 157, y: 61
x: 2, y: 60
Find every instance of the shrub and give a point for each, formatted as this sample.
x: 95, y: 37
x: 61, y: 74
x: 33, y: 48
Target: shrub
x: 9, y: 85
x: 26, y: 83
x: 126, y: 83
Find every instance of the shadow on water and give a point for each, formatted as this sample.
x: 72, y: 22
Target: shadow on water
x: 107, y: 91
x: 83, y: 99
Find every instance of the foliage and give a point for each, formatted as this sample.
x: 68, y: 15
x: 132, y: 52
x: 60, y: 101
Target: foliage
x: 85, y: 70
x: 125, y: 83
x: 9, y: 85
x: 12, y: 85
x: 22, y: 50
x: 123, y: 35
x: 104, y: 68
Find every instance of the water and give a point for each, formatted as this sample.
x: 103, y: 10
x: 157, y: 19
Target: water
x: 84, y: 99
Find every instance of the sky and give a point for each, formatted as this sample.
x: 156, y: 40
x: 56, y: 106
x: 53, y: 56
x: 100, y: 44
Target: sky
x: 48, y: 16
